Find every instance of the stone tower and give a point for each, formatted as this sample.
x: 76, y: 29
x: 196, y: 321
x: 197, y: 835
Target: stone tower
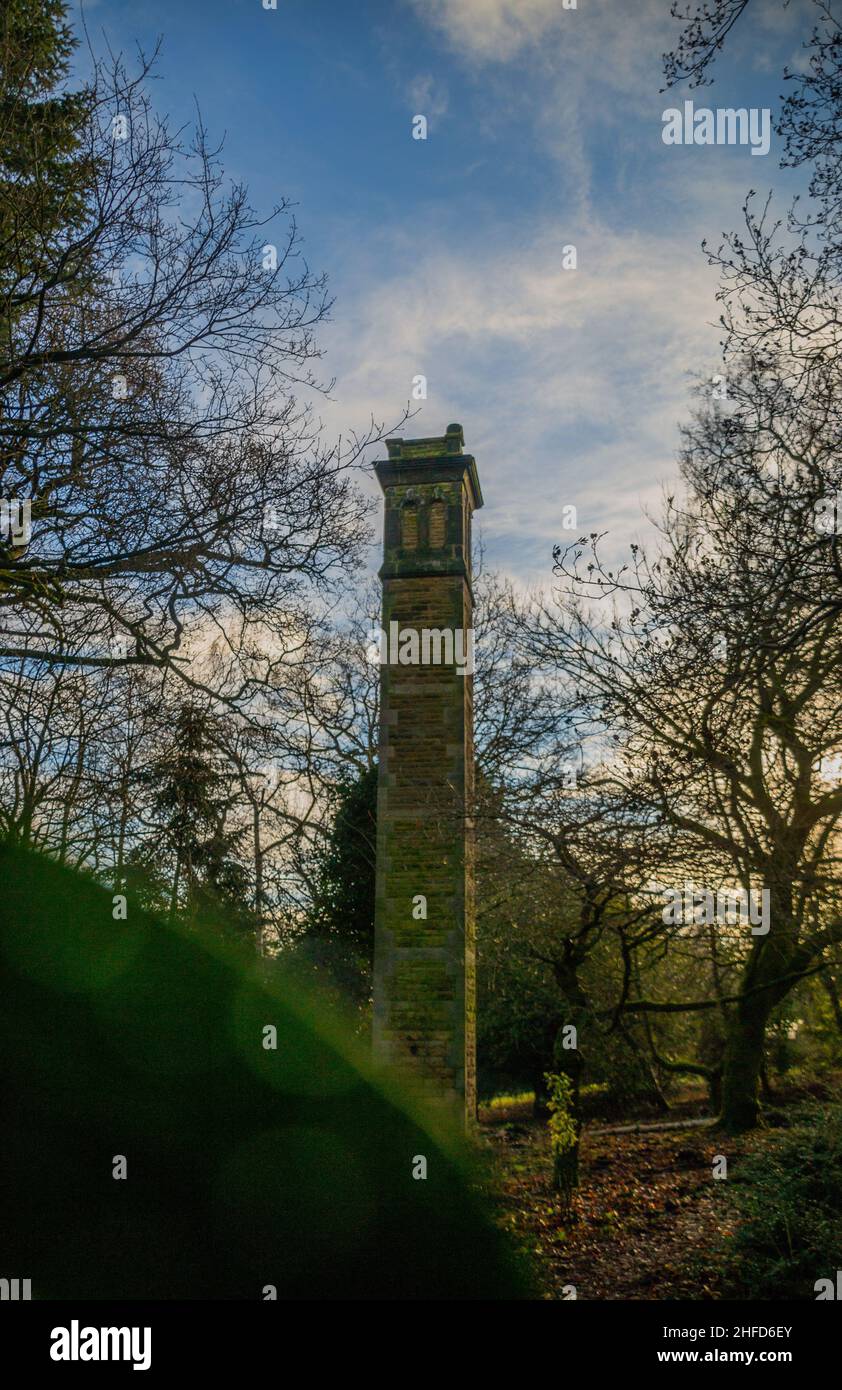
x: 424, y: 955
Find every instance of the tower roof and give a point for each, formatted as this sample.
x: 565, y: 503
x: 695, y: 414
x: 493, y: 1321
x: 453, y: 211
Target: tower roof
x: 433, y: 459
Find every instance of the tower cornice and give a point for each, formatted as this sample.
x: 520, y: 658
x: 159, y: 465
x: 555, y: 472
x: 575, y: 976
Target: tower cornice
x: 438, y: 459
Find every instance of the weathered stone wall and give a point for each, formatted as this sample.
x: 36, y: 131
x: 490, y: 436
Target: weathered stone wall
x: 424, y: 985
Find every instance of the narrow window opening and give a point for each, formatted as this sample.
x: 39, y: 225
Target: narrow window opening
x: 409, y: 527
x: 437, y: 525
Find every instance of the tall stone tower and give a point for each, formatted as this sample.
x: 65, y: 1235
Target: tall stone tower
x: 424, y: 954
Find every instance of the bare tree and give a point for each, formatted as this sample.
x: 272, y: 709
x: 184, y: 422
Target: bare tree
x: 716, y: 667
x: 180, y: 494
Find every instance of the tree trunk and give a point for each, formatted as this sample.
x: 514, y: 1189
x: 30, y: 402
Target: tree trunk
x: 715, y: 1090
x: 829, y: 984
x: 540, y: 1110
x: 743, y: 1063
x: 771, y: 972
x: 258, y: 878
x: 765, y: 1084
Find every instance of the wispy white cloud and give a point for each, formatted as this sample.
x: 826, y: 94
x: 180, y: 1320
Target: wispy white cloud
x: 626, y: 35
x: 494, y: 30
x: 569, y: 383
x: 626, y: 39
x: 428, y: 97
x: 589, y: 77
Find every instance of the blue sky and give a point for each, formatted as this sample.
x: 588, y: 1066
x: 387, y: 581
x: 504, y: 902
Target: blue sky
x: 445, y: 256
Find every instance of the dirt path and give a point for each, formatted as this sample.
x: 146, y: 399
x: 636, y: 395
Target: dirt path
x: 649, y: 1212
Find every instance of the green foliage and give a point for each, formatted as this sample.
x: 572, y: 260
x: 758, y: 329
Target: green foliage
x: 519, y: 1008
x: 339, y: 935
x: 564, y: 1134
x: 43, y: 179
x: 191, y: 802
x: 519, y: 1012
x: 788, y: 1205
x: 594, y: 1099
x: 247, y: 1165
x: 510, y: 1102
x: 562, y: 1124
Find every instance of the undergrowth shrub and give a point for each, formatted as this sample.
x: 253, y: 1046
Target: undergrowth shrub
x: 786, y: 1200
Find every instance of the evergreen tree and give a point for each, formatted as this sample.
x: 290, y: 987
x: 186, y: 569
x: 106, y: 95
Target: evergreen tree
x: 191, y: 801
x: 339, y: 936
x: 43, y: 177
